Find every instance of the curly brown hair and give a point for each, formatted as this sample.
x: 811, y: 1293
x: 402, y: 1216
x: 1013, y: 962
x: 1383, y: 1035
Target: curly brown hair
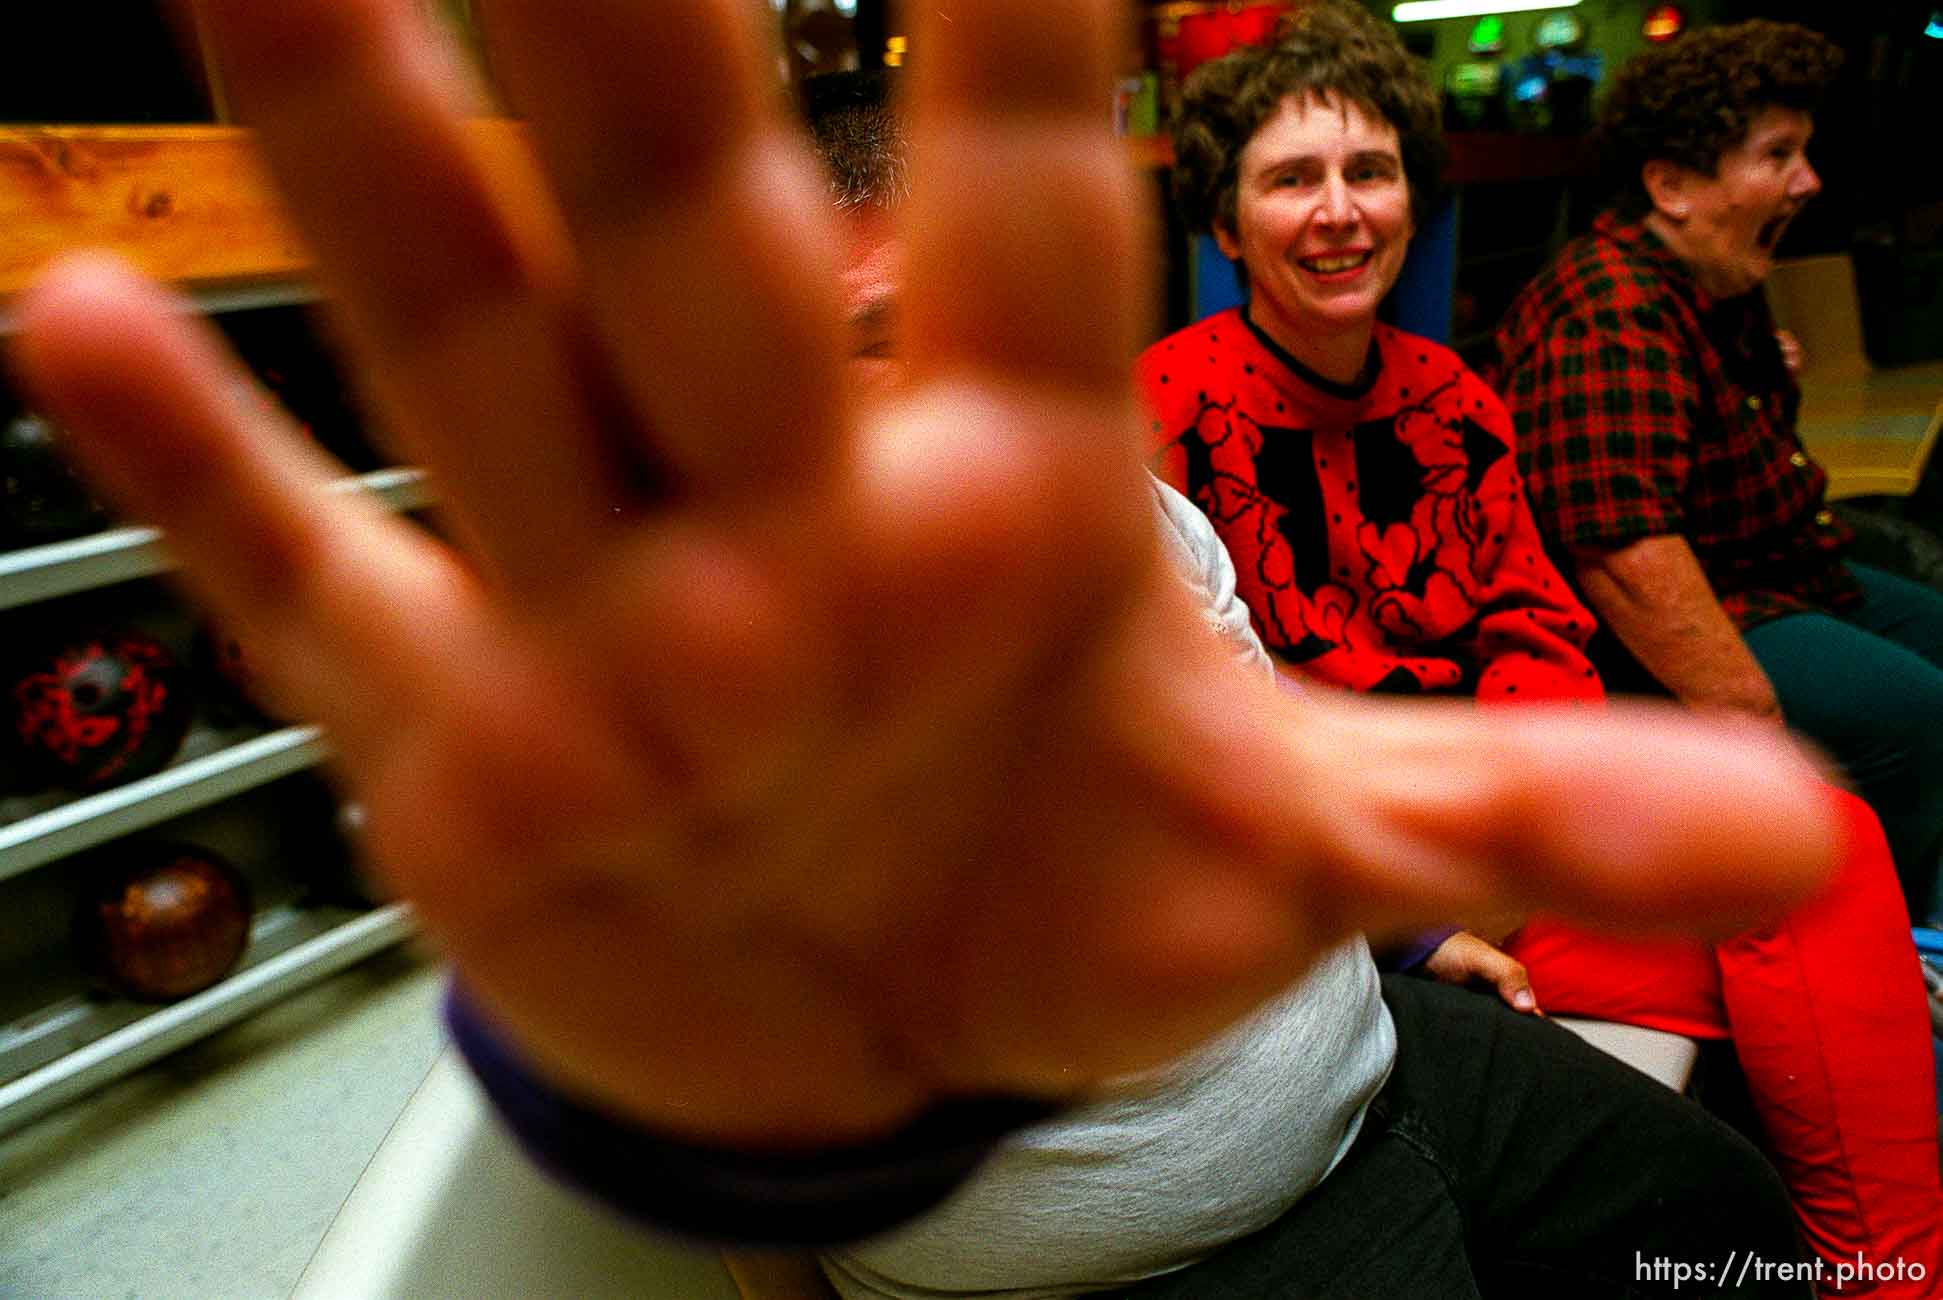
x: 1692, y: 101
x: 1333, y: 48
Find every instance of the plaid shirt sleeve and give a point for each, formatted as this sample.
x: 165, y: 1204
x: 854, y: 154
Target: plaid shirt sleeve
x: 1602, y: 406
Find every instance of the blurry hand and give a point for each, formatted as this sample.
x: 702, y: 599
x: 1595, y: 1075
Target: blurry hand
x: 768, y: 767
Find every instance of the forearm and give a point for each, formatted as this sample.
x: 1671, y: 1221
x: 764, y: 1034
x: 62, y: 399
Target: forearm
x: 1654, y: 596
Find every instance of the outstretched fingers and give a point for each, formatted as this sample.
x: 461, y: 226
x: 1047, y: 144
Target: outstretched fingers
x: 1009, y: 486
x: 341, y: 604
x: 1023, y: 215
x: 705, y: 228
x: 1637, y: 817
x: 444, y: 259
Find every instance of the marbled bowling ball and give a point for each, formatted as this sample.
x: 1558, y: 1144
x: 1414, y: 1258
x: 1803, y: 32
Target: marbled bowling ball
x: 102, y: 710
x: 41, y: 497
x: 163, y: 921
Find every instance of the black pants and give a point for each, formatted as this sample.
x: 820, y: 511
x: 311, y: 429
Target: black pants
x: 1505, y: 1157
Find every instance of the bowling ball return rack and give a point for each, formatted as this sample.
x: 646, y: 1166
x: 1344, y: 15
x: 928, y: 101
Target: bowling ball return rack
x: 244, y: 788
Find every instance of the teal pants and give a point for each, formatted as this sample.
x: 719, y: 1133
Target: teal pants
x: 1868, y: 688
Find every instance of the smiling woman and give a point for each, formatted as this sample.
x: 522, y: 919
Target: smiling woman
x: 1362, y: 477
x: 1322, y: 218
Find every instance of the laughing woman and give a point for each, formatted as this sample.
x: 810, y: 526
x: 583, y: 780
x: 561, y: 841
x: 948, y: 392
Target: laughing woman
x: 1656, y: 414
x: 1367, y: 486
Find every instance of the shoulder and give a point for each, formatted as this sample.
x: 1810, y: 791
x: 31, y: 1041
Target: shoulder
x: 1596, y: 273
x: 1196, y: 346
x: 1597, y: 293
x: 1174, y: 376
x: 1412, y: 363
x: 1404, y: 351
x: 1203, y: 563
x: 1601, y: 274
x: 1189, y: 535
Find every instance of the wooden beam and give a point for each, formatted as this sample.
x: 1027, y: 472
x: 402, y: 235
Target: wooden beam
x: 188, y: 204
x: 185, y: 203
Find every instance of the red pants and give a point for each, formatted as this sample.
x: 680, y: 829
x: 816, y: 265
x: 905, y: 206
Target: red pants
x: 1827, y: 1015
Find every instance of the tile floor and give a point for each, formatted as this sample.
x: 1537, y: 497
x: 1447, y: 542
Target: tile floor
x: 214, y: 1173
x: 217, y: 1173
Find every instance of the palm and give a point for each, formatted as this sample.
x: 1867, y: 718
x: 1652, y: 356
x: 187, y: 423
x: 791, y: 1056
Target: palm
x: 577, y: 844
x: 755, y: 728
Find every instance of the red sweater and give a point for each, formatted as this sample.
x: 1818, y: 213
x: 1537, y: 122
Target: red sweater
x: 1379, y: 531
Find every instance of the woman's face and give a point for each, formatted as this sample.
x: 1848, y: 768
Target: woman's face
x: 1725, y: 227
x: 1322, y: 217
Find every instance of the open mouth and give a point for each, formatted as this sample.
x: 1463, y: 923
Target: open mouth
x: 1335, y: 263
x: 1770, y: 234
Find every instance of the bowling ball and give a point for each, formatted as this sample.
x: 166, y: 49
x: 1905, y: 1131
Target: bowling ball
x: 102, y: 709
x: 41, y: 497
x: 162, y: 921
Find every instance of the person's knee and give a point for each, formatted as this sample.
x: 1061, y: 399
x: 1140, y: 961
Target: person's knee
x: 1741, y: 1196
x: 1874, y: 706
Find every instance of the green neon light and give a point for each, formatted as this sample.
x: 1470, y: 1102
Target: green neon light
x: 1488, y: 35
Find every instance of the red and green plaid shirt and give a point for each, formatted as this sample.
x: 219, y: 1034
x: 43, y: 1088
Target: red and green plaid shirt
x: 1643, y: 407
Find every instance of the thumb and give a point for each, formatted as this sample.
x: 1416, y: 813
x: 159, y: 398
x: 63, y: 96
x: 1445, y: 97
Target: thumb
x: 1513, y: 983
x: 1636, y: 818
